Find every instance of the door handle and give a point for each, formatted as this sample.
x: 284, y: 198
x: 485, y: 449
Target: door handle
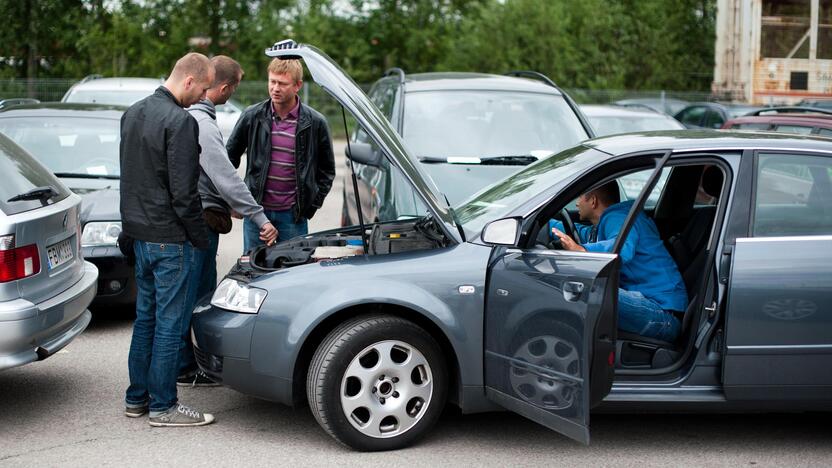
x: 572, y: 290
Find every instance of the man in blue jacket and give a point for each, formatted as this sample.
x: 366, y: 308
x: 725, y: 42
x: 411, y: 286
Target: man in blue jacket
x: 651, y: 291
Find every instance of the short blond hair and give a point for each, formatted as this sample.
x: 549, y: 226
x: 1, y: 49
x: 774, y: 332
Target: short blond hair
x: 193, y: 64
x: 292, y: 67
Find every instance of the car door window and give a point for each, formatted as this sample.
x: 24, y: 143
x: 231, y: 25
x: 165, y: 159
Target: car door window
x: 793, y: 195
x: 825, y: 132
x: 713, y: 119
x: 632, y: 184
x: 692, y: 116
x: 799, y: 129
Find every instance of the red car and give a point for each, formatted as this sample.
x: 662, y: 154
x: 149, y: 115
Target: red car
x: 800, y: 120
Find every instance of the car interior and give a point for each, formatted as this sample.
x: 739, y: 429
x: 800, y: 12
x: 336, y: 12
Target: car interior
x: 684, y: 206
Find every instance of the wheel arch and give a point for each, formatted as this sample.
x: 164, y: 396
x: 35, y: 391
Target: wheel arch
x: 322, y: 329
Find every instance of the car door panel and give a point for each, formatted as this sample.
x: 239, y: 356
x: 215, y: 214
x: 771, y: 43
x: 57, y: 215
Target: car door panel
x: 542, y: 308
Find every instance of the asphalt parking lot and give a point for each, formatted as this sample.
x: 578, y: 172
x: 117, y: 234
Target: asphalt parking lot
x: 67, y: 411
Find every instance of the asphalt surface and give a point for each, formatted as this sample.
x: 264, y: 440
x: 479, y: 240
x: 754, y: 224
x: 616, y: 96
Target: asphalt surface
x: 67, y: 411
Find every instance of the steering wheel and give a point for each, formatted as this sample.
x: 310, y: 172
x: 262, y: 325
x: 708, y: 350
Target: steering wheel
x: 568, y: 229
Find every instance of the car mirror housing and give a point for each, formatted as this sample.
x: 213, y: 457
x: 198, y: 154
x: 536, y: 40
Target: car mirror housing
x: 363, y: 153
x: 501, y: 232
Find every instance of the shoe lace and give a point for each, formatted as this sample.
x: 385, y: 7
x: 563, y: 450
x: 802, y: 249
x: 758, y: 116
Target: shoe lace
x: 189, y: 412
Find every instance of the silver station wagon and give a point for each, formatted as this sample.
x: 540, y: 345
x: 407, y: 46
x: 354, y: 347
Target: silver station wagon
x: 45, y: 285
x: 378, y: 327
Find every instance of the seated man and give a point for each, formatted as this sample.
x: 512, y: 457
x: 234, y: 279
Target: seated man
x: 651, y: 288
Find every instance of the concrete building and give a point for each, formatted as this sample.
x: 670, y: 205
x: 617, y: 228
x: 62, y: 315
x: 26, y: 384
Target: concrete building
x: 773, y: 51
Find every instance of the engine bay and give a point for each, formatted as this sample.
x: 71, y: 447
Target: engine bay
x: 387, y: 238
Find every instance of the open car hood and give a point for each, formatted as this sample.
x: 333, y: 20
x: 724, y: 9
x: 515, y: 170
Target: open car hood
x: 332, y: 79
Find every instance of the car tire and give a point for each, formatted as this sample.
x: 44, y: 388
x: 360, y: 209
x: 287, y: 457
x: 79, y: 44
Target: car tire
x: 377, y: 382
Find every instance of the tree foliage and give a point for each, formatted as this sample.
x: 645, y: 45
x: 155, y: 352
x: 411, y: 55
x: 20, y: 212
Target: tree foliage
x: 635, y: 44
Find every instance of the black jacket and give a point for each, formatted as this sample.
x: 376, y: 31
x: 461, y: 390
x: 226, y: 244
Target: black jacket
x: 314, y: 160
x: 159, y: 155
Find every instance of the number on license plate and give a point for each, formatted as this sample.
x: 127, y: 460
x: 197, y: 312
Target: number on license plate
x: 59, y: 253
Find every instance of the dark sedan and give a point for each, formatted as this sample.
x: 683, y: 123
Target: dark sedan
x: 79, y: 144
x: 475, y: 306
x: 711, y: 114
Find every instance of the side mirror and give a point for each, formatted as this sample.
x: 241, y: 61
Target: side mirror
x: 501, y: 232
x: 363, y: 153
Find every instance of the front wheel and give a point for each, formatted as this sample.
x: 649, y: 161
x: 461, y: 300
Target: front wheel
x: 377, y: 383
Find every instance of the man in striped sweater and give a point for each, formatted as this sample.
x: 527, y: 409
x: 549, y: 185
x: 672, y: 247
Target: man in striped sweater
x: 290, y: 165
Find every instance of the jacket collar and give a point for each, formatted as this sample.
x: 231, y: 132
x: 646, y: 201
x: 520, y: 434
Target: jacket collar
x: 164, y: 92
x: 206, y: 106
x: 264, y: 114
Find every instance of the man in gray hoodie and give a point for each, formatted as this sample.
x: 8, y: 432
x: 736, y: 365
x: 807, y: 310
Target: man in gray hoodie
x: 222, y: 192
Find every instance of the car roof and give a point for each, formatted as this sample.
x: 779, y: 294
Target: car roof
x: 598, y: 110
x: 120, y: 83
x: 705, y: 140
x: 66, y: 109
x: 813, y: 120
x: 442, y: 81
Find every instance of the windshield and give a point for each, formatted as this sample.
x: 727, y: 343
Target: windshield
x: 500, y: 199
x: 68, y: 145
x: 22, y: 174
x: 611, y: 125
x: 116, y: 97
x: 483, y: 124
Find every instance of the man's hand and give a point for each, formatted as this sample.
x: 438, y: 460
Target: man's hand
x: 268, y: 234
x: 567, y: 242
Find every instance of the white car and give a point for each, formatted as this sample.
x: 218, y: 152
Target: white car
x: 126, y: 91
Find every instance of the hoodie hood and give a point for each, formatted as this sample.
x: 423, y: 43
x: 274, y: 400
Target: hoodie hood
x: 206, y: 106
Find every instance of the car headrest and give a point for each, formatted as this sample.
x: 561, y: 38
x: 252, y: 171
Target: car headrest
x: 712, y: 181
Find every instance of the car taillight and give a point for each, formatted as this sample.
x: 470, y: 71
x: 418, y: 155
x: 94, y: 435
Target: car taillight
x: 17, y: 262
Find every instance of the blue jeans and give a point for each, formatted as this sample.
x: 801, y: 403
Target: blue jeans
x: 206, y: 280
x: 166, y: 283
x: 642, y: 316
x: 283, y: 221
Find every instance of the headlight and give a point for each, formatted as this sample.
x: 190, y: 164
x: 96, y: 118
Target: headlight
x: 98, y: 233
x: 234, y: 295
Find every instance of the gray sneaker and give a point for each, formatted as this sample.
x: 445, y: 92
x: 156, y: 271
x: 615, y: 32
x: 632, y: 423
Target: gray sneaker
x: 180, y: 416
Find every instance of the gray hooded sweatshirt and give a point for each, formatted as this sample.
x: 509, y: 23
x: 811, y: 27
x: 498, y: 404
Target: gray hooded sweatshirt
x: 219, y: 185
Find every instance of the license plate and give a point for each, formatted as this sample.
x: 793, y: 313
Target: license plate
x: 59, y: 253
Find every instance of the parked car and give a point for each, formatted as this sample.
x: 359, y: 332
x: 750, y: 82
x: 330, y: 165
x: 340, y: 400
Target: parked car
x: 45, y: 284
x: 711, y: 114
x: 667, y: 106
x: 466, y: 130
x: 126, y: 91
x: 79, y: 144
x: 818, y: 103
x: 799, y: 120
x: 610, y: 120
x: 4, y: 103
x: 475, y: 306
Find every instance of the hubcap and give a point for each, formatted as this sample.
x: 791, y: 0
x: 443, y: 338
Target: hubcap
x: 549, y: 387
x: 386, y: 389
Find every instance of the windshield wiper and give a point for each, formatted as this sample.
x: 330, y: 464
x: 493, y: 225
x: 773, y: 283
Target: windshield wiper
x: 38, y: 193
x: 79, y: 175
x: 520, y: 160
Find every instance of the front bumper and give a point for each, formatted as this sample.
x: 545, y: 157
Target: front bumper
x: 116, y: 277
x: 32, y: 332
x: 222, y: 343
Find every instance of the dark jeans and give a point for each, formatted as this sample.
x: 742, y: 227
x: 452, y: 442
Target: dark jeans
x: 166, y: 282
x: 642, y: 316
x: 206, y: 282
x: 283, y: 221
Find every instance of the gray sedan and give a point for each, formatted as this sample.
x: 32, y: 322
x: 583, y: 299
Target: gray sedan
x: 45, y: 285
x: 377, y: 327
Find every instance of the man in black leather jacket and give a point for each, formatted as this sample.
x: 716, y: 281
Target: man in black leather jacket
x: 290, y: 165
x: 161, y: 211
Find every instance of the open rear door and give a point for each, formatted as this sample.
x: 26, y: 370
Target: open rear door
x: 550, y: 328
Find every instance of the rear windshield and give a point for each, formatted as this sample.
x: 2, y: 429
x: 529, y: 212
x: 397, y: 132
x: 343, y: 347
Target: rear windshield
x: 22, y: 173
x: 117, y: 97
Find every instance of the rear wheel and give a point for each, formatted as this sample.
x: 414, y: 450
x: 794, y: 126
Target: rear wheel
x: 377, y: 383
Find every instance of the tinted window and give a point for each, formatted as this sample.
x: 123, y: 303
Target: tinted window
x: 793, y: 196
x: 22, y: 173
x: 692, y: 116
x: 485, y: 124
x: 825, y: 132
x: 68, y: 145
x: 713, y: 119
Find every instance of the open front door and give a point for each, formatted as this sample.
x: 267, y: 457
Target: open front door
x: 550, y: 327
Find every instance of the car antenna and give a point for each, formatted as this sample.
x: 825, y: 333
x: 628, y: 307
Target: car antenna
x: 355, y: 186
